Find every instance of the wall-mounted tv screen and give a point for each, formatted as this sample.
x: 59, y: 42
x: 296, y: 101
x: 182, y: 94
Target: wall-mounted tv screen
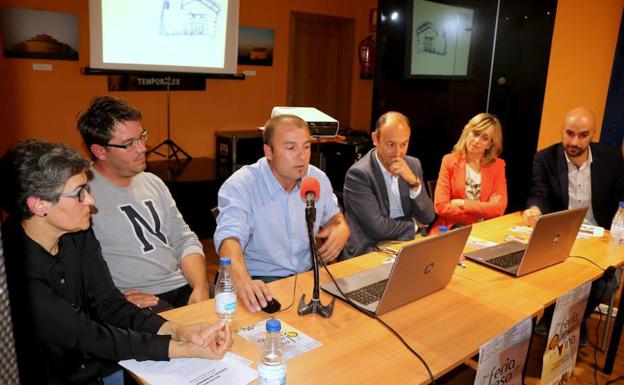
x: 199, y: 36
x: 439, y: 40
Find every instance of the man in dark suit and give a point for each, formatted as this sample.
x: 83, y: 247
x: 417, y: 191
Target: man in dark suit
x: 577, y: 173
x: 383, y: 193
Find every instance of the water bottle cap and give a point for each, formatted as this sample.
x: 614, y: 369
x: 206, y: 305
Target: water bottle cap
x: 273, y: 325
x: 443, y: 229
x: 622, y: 205
x: 225, y: 261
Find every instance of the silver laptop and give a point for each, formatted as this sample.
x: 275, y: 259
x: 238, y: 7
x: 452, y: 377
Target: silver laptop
x: 420, y: 268
x: 550, y: 243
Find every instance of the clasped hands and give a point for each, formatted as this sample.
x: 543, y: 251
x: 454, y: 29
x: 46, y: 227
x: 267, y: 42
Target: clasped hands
x: 200, y: 340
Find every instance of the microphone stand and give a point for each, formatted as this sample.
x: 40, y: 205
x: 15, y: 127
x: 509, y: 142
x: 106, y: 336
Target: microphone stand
x: 315, y: 305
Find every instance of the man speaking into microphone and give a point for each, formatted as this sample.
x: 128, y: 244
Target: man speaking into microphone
x: 261, y: 224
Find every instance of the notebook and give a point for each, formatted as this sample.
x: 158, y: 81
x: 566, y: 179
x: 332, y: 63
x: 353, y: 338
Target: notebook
x: 421, y: 268
x: 550, y: 243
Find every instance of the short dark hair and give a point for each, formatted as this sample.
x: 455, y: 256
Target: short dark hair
x: 37, y: 168
x: 269, y: 126
x: 97, y: 123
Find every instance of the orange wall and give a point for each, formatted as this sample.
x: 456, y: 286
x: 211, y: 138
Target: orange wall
x: 581, y: 58
x: 45, y: 104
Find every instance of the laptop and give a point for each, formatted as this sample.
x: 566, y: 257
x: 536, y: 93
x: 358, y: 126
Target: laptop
x: 550, y: 243
x: 421, y: 268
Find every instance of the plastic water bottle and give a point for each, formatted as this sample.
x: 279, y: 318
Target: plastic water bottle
x: 617, y: 226
x: 272, y: 366
x: 225, y: 293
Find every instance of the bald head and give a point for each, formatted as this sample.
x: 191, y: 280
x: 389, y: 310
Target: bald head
x: 391, y: 119
x: 577, y: 132
x: 391, y: 137
x: 580, y: 116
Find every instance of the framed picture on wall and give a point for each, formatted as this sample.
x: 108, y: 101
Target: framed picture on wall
x: 27, y: 33
x: 439, y: 40
x: 255, y: 46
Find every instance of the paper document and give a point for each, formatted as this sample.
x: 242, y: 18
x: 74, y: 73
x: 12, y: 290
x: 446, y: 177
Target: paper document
x: 589, y: 231
x: 295, y: 342
x: 478, y: 243
x: 502, y: 360
x: 232, y: 369
x: 586, y: 231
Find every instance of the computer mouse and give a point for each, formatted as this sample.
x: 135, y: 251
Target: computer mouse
x: 272, y: 306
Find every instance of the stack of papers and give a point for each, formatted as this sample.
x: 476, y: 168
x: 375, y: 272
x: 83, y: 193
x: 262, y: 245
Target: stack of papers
x: 232, y: 369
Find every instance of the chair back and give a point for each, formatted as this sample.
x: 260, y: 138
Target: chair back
x: 431, y: 186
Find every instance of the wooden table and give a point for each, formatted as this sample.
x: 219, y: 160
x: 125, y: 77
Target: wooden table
x: 546, y: 285
x: 446, y: 328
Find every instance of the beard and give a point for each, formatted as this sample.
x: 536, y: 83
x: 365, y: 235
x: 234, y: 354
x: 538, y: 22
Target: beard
x: 574, y: 151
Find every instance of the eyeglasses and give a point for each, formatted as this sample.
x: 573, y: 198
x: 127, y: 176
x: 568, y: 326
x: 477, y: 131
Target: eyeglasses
x: 131, y: 142
x: 79, y: 194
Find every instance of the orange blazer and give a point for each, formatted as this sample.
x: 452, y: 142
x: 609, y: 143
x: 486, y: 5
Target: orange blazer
x: 452, y: 185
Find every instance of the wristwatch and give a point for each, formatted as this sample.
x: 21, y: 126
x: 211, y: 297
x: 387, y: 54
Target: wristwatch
x: 414, y: 189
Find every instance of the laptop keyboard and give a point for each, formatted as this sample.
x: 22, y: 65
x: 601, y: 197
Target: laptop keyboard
x: 508, y: 261
x: 368, y: 294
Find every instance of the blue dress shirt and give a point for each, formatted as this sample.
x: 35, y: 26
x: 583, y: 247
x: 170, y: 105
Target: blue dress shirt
x: 269, y: 222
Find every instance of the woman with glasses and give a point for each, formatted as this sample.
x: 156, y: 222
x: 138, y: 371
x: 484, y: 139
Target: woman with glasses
x: 472, y: 184
x: 71, y: 324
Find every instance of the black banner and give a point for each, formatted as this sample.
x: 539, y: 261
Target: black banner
x: 155, y: 83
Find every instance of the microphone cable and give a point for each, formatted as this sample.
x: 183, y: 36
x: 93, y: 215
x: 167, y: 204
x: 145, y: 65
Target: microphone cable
x: 610, y: 271
x: 374, y: 316
x: 604, y: 291
x: 620, y: 378
x: 588, y: 260
x: 292, y: 302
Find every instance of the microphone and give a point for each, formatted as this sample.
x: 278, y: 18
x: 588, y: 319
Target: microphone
x: 310, y: 190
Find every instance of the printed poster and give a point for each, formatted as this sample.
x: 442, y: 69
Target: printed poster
x: 563, y: 337
x: 502, y: 360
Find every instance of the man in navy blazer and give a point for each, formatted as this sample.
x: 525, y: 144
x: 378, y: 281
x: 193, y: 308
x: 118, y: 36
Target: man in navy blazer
x: 383, y: 193
x: 577, y: 173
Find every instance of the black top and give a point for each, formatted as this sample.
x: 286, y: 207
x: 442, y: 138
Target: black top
x: 549, y: 183
x: 71, y: 323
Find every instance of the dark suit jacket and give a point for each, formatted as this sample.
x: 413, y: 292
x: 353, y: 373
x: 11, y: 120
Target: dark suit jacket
x: 367, y: 208
x: 549, y: 184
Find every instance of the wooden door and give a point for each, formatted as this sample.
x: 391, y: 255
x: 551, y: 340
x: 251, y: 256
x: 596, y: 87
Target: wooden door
x: 320, y: 64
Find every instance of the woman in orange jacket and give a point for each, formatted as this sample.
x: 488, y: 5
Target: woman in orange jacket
x: 471, y: 186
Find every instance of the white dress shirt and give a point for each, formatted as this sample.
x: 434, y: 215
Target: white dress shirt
x: 579, y: 187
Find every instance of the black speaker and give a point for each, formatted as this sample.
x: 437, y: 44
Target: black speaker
x: 336, y: 158
x: 236, y: 149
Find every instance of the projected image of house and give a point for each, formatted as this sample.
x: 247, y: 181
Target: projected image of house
x: 430, y: 40
x: 189, y: 17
